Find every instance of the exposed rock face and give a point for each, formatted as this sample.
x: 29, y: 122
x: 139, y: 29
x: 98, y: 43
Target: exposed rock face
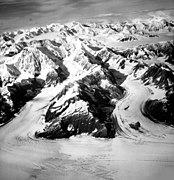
x: 161, y: 110
x: 147, y: 51
x: 5, y: 110
x: 155, y: 110
x: 135, y: 126
x: 18, y: 94
x: 83, y: 107
x: 24, y: 91
x: 84, y: 60
x: 160, y: 75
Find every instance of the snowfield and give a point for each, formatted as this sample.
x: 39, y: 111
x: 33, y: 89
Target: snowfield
x: 74, y: 100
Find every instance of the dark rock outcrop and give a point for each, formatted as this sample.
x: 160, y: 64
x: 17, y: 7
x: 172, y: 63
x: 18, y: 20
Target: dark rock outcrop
x: 13, y: 71
x: 24, y: 91
x: 160, y: 75
x: 86, y: 104
x: 155, y: 110
x: 161, y: 110
x: 135, y: 126
x: 19, y: 94
x: 6, y: 111
x: 88, y: 109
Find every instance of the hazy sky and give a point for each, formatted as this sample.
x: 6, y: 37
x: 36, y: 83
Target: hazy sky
x: 23, y: 13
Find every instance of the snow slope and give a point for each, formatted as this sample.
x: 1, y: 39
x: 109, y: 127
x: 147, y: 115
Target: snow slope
x: 108, y: 63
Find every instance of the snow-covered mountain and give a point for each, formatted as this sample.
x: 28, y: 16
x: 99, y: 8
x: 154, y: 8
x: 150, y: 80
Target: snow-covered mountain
x: 88, y: 64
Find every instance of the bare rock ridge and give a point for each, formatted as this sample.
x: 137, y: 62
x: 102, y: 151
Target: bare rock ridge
x: 88, y: 109
x: 161, y: 110
x: 87, y: 63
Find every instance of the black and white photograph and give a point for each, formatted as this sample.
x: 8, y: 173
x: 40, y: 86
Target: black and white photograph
x: 86, y: 89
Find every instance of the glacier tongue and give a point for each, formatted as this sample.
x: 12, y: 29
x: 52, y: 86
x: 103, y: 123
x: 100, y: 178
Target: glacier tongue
x: 93, y: 58
x: 88, y: 101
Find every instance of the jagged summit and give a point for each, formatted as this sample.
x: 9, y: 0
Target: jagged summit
x: 160, y: 75
x: 90, y: 63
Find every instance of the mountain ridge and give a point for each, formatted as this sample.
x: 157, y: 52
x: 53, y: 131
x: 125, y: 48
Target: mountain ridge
x: 58, y: 53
